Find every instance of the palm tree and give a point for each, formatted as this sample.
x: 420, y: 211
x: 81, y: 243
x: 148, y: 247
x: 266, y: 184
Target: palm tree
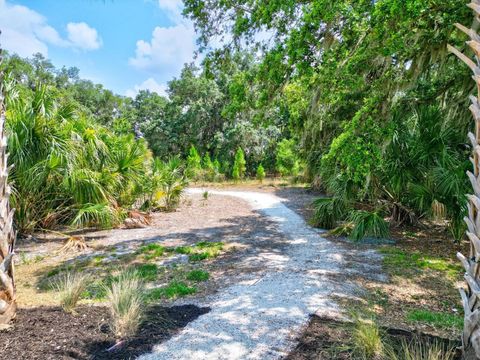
x: 471, y: 295
x: 7, y: 233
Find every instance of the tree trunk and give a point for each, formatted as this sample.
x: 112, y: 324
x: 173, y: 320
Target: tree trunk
x: 8, y: 304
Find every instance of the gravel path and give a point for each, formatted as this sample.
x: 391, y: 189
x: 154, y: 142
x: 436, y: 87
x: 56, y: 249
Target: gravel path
x: 259, y: 318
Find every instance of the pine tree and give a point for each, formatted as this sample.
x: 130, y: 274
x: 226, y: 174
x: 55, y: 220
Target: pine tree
x: 207, y: 162
x: 239, y: 165
x: 260, y: 173
x: 194, y: 161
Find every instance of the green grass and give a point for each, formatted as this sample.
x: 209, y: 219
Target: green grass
x: 98, y: 259
x: 152, y: 251
x: 198, y: 257
x: 147, y: 272
x: 436, y: 319
x: 198, y: 275
x: 209, y: 245
x: 173, y: 290
x: 184, y: 250
x: 95, y: 290
x: 398, y: 260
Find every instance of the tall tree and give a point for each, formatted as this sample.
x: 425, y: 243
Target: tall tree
x: 7, y: 233
x: 470, y: 296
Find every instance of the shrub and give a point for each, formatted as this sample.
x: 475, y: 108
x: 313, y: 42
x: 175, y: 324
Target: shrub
x: 125, y: 301
x: 171, y: 180
x: 260, y: 173
x: 368, y: 223
x: 327, y: 212
x: 71, y: 287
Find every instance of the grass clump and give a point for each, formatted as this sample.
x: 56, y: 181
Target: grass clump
x: 147, y: 272
x: 436, y: 319
x: 201, y: 250
x: 184, y: 250
x: 71, y: 286
x: 367, y: 341
x: 198, y: 275
x: 173, y: 290
x: 418, y: 350
x: 198, y: 256
x: 125, y: 301
x: 152, y: 251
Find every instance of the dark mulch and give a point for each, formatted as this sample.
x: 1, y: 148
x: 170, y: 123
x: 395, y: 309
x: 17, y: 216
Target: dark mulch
x: 50, y: 333
x: 326, y: 339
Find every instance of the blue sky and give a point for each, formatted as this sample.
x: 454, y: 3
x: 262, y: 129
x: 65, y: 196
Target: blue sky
x: 126, y: 45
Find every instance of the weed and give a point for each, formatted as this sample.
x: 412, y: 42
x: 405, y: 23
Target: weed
x: 126, y: 304
x: 198, y: 275
x: 71, y: 286
x: 436, y: 319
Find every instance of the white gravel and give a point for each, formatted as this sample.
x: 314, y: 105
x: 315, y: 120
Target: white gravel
x: 259, y: 318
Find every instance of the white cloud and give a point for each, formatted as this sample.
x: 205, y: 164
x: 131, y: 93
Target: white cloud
x: 25, y: 32
x: 149, y: 84
x: 82, y: 36
x: 167, y: 51
x: 173, y: 9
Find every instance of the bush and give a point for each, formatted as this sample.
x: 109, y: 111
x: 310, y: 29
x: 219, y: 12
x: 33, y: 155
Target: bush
x: 71, y: 287
x: 260, y: 173
x: 367, y: 223
x: 126, y: 304
x: 328, y: 212
x: 170, y: 182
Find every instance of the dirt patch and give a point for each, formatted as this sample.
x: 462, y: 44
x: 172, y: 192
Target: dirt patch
x: 50, y: 333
